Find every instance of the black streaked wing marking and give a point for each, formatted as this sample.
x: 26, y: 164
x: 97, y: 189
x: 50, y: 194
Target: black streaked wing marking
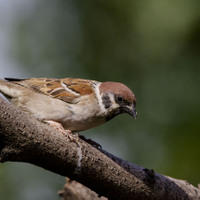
x: 69, y: 89
x: 15, y: 79
x: 49, y: 84
x: 58, y: 91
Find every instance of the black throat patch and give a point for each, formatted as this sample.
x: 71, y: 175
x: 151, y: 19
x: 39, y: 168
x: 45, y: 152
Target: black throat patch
x: 106, y: 101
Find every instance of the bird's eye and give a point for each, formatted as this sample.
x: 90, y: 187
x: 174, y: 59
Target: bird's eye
x: 119, y: 98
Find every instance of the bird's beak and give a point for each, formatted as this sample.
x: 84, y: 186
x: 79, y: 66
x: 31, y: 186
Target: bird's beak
x: 132, y: 111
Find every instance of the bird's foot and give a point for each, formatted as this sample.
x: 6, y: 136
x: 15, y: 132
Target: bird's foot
x: 59, y: 127
x: 91, y: 142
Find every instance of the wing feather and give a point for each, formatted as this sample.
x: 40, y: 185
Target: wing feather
x: 67, y: 89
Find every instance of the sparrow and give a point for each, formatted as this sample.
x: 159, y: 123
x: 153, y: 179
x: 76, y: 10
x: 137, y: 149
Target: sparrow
x: 73, y: 103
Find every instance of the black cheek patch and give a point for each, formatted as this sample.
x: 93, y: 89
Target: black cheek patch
x: 106, y: 101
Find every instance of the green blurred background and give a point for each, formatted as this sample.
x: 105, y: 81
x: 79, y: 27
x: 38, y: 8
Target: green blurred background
x: 151, y: 46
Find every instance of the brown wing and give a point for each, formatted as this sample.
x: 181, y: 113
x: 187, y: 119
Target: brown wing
x: 68, y: 89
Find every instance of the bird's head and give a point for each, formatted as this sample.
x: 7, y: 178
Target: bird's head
x: 117, y: 98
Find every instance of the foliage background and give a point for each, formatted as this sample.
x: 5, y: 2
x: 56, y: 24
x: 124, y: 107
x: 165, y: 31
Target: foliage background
x: 151, y: 46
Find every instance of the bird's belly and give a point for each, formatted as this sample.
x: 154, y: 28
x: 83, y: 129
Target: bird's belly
x: 82, y: 124
x: 84, y: 115
x: 78, y: 117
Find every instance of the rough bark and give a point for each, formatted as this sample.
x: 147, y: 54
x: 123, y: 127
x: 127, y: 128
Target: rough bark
x: 25, y: 139
x: 73, y: 190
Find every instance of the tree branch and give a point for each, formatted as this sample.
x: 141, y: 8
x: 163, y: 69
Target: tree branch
x: 25, y: 139
x: 75, y: 191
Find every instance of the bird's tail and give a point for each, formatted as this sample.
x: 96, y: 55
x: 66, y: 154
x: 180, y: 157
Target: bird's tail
x: 10, y: 89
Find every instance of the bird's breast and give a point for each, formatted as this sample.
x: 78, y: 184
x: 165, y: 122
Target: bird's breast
x: 85, y: 115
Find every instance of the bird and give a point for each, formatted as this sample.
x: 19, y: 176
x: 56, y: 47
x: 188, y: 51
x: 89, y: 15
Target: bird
x: 72, y: 104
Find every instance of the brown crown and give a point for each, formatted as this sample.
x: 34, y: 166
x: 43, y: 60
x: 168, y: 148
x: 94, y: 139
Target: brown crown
x: 118, y: 88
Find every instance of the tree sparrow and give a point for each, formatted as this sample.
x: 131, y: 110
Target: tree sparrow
x: 77, y: 104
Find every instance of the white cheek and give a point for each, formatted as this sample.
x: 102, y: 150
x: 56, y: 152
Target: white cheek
x: 114, y: 105
x: 99, y: 97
